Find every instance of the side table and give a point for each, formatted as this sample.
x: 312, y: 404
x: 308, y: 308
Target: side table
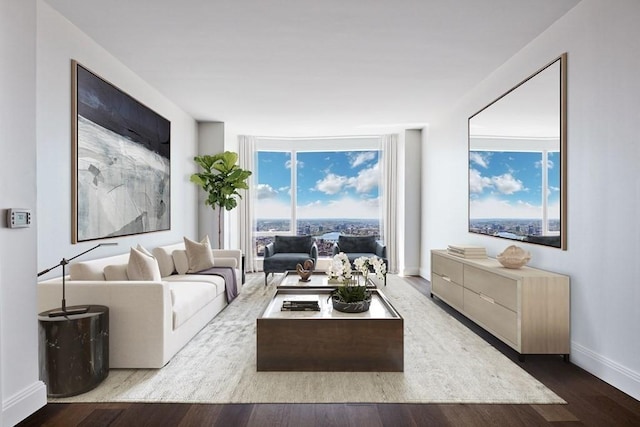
x: 74, y: 350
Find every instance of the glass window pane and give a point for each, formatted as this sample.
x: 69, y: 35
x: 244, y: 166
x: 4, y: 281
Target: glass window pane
x: 273, y: 191
x: 515, y: 182
x: 338, y: 192
x: 259, y: 242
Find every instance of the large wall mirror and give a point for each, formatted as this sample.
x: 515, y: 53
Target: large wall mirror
x: 517, y: 161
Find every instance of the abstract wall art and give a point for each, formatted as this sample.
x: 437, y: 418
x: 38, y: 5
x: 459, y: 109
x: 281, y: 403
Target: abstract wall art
x: 121, y: 169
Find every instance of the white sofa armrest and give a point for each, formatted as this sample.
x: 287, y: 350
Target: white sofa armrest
x: 147, y: 305
x: 226, y: 262
x: 220, y: 254
x: 228, y: 253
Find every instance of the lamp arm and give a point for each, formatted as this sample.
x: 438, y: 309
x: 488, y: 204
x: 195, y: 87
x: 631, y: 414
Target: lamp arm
x: 65, y: 261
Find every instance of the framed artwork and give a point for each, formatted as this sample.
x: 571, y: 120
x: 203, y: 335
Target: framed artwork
x: 121, y: 168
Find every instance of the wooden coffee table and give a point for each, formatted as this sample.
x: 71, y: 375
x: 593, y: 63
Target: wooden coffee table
x: 329, y: 340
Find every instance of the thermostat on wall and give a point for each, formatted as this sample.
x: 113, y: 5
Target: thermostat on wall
x: 18, y: 218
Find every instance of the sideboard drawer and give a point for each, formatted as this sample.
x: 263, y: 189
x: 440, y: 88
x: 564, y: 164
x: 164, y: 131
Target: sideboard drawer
x: 447, y: 268
x: 502, y: 290
x: 527, y: 308
x: 447, y: 291
x: 492, y: 316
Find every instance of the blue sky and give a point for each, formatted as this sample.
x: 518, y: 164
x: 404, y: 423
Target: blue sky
x: 509, y: 184
x: 336, y: 184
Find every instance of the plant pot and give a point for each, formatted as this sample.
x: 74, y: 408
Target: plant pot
x: 351, y: 307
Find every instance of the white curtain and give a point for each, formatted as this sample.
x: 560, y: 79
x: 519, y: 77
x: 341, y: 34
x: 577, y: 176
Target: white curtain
x: 390, y: 200
x: 247, y: 154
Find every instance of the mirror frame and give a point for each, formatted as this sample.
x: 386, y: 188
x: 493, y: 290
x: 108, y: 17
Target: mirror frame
x: 562, y: 59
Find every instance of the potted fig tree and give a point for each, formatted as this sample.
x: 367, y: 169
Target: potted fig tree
x: 221, y: 179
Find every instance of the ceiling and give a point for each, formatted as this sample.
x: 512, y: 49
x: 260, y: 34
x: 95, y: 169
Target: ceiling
x: 313, y: 67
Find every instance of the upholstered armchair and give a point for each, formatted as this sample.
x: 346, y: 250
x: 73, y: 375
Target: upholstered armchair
x: 285, y: 252
x: 358, y: 246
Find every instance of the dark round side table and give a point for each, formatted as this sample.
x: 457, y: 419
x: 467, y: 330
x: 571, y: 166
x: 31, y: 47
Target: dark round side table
x: 74, y: 350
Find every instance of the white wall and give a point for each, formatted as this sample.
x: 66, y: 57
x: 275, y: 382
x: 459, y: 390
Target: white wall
x: 602, y: 39
x: 21, y: 392
x: 210, y: 141
x: 58, y: 41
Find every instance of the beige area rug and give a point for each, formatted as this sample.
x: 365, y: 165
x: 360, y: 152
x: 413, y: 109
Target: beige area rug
x: 444, y: 363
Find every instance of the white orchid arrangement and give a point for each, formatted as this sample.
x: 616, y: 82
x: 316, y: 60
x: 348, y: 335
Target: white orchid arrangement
x: 349, y: 291
x: 364, y: 264
x: 340, y: 268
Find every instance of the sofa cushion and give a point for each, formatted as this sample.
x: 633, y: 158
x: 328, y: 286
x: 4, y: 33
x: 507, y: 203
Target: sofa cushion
x: 188, y: 298
x: 164, y: 255
x: 361, y: 244
x: 211, y: 279
x: 181, y: 261
x: 199, y: 255
x: 142, y: 266
x: 94, y: 269
x: 293, y: 244
x: 116, y: 272
x: 284, y: 262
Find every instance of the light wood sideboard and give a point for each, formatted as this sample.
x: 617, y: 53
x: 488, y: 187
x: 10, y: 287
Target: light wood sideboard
x: 526, y: 308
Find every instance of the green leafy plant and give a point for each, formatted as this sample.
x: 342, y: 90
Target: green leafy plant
x: 352, y: 293
x: 221, y: 179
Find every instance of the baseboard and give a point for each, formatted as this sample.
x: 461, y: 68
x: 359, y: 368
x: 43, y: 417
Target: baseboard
x: 607, y: 370
x: 411, y: 271
x: 19, y: 406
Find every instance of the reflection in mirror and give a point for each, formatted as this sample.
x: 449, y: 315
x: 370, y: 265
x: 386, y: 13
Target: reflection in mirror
x: 517, y: 158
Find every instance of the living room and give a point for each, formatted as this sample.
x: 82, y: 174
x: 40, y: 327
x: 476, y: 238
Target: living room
x: 601, y: 41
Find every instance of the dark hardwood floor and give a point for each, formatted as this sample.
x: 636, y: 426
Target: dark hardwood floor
x: 590, y: 402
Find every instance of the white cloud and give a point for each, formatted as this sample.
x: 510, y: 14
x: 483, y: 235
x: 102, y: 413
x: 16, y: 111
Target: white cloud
x: 361, y: 158
x: 507, y: 183
x: 272, y: 209
x: 496, y: 208
x: 265, y: 191
x: 367, y: 179
x: 479, y: 159
x: 346, y: 207
x: 477, y: 183
x: 289, y: 162
x: 331, y: 184
x: 550, y: 164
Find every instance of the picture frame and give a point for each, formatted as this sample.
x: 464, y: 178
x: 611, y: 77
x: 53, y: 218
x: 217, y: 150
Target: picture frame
x: 121, y: 162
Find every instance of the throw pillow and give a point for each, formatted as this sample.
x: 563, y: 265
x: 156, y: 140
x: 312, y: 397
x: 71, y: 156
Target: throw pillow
x: 199, y: 254
x: 144, y: 250
x: 181, y: 261
x: 116, y: 272
x: 142, y: 266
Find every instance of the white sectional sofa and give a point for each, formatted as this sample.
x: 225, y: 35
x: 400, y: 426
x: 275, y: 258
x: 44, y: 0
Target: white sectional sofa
x: 149, y: 321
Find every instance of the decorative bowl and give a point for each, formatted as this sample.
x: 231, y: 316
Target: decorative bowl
x: 514, y: 257
x: 351, y: 307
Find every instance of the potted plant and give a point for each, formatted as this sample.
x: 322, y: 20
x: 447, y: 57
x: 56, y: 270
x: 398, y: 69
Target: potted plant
x: 350, y: 296
x: 221, y: 179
